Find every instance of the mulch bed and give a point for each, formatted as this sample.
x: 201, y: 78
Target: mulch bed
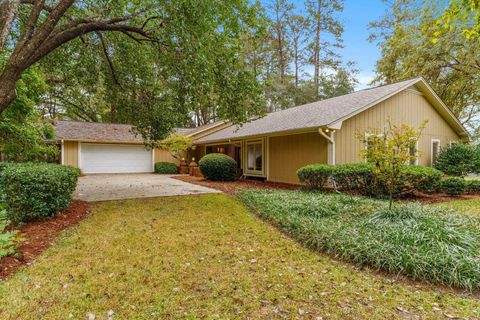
x: 39, y: 235
x: 232, y: 187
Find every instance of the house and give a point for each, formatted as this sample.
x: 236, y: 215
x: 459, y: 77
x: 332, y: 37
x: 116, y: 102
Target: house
x: 273, y: 147
x: 113, y: 148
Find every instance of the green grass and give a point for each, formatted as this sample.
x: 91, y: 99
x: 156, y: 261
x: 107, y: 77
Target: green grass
x: 465, y: 207
x: 205, y: 257
x: 422, y: 242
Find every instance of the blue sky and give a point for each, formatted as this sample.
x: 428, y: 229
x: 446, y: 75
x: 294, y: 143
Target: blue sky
x: 355, y: 18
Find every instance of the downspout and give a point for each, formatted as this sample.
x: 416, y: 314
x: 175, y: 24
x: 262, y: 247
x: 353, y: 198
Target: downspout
x: 329, y: 134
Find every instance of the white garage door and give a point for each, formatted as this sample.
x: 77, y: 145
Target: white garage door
x: 108, y: 158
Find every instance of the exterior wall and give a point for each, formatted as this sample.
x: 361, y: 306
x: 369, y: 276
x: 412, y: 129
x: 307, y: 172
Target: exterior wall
x: 289, y: 153
x: 164, y: 156
x: 70, y: 153
x: 408, y: 107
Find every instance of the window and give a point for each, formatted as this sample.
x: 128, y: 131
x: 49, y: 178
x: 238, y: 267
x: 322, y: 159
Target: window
x: 435, y: 150
x: 413, y: 151
x: 371, y: 142
x: 255, y: 156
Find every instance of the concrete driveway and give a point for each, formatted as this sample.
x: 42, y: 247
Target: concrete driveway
x: 102, y: 187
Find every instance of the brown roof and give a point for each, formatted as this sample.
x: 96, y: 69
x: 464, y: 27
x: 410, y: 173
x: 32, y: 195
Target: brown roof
x: 111, y: 132
x: 95, y: 132
x: 314, y: 115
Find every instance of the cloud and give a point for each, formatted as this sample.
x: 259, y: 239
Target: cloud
x: 364, y: 78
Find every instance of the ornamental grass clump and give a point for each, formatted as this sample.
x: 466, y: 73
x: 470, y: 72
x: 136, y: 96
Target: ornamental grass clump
x: 422, y: 242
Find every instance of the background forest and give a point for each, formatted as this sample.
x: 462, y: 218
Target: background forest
x: 190, y: 62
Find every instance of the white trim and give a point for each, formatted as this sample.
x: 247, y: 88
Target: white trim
x: 431, y: 149
x: 257, y: 173
x: 367, y: 135
x: 267, y: 157
x: 331, y: 145
x: 416, y: 153
x: 152, y: 151
x: 79, y: 155
x: 153, y: 159
x: 62, y: 151
x: 206, y: 129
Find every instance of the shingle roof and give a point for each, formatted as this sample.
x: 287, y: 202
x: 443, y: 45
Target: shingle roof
x: 312, y: 115
x: 95, y: 132
x: 110, y: 132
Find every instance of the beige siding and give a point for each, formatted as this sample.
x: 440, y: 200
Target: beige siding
x: 70, y: 153
x: 164, y: 156
x: 408, y: 107
x: 289, y: 153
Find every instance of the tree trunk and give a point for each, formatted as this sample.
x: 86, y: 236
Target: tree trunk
x: 316, y: 57
x: 8, y: 81
x: 281, y: 54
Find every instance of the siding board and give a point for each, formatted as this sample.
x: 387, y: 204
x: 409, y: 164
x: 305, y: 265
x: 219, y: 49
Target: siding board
x: 407, y: 107
x: 289, y: 153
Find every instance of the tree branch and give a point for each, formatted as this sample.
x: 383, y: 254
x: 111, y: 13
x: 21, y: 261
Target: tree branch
x: 107, y: 57
x: 57, y: 40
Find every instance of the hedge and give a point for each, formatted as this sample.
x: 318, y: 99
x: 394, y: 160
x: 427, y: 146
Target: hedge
x: 36, y: 191
x: 454, y: 186
x: 166, y: 168
x: 218, y: 167
x: 361, y: 178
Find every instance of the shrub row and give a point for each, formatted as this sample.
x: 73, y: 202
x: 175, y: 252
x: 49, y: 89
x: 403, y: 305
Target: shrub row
x: 361, y: 178
x: 166, y: 168
x: 218, y: 167
x: 33, y: 191
x: 422, y: 242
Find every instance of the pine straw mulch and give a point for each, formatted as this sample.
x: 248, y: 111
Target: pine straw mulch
x: 38, y: 236
x: 232, y: 187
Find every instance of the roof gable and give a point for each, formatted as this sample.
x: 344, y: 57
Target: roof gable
x: 331, y: 112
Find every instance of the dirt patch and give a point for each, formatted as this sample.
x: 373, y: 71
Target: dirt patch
x: 38, y: 236
x: 232, y: 187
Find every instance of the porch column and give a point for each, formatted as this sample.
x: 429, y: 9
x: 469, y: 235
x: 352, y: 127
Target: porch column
x: 329, y: 134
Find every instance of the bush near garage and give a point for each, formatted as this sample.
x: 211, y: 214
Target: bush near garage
x: 315, y: 176
x: 166, y: 168
x: 37, y: 190
x: 454, y: 186
x: 218, y: 167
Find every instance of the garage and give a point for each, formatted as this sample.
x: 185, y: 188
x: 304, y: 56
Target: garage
x: 114, y: 158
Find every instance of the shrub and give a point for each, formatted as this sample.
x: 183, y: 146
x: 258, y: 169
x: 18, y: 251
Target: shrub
x: 454, y: 186
x: 218, y: 167
x: 472, y: 186
x: 424, y: 179
x: 315, y: 176
x: 361, y: 178
x: 166, y: 168
x: 8, y: 239
x: 457, y: 159
x: 33, y: 191
x: 423, y: 242
x: 355, y: 176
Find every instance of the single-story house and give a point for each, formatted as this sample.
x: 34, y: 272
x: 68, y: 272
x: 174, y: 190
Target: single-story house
x: 273, y: 147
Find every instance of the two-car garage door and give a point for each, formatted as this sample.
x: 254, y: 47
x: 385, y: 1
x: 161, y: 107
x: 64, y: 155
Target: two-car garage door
x: 115, y: 158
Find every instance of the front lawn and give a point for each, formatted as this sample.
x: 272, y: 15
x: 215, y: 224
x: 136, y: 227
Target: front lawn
x: 205, y: 257
x: 419, y: 241
x: 467, y: 207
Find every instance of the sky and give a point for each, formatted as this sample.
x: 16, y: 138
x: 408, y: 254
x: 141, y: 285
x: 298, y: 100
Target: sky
x: 355, y: 18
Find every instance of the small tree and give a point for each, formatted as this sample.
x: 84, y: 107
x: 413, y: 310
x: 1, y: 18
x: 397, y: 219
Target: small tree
x: 391, y: 152
x: 176, y: 145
